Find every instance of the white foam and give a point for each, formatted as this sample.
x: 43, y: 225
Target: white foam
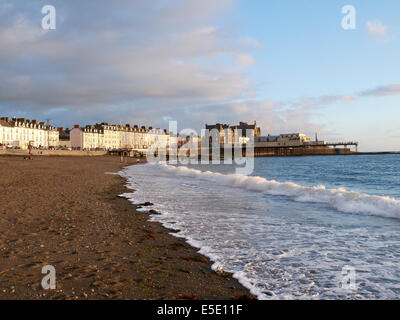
x: 340, y: 199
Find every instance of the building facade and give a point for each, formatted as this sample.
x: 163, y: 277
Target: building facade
x: 283, y: 140
x: 228, y: 134
x: 22, y: 133
x: 108, y: 137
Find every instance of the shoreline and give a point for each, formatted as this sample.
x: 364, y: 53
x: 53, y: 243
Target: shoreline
x: 147, y: 208
x: 66, y: 212
x: 202, y: 260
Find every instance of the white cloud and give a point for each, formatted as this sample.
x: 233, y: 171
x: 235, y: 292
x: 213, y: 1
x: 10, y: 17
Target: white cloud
x: 139, y: 59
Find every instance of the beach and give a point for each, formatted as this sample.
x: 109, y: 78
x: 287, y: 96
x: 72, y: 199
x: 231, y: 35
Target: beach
x: 67, y: 212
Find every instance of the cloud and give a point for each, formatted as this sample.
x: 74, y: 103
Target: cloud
x: 136, y: 60
x: 142, y: 62
x: 392, y: 89
x: 317, y: 102
x: 377, y: 29
x: 323, y: 100
x: 297, y: 115
x: 273, y: 116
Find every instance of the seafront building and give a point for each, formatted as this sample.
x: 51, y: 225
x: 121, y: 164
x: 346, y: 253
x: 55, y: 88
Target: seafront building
x: 22, y: 133
x: 288, y: 144
x: 284, y: 140
x: 110, y: 137
x: 229, y: 134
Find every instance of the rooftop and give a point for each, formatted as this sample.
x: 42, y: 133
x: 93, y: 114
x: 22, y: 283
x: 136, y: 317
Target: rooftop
x: 4, y: 123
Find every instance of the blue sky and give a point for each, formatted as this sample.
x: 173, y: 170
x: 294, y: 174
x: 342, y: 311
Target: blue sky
x: 306, y: 52
x: 286, y: 63
x: 304, y: 44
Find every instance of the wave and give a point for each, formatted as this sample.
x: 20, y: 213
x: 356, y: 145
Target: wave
x: 339, y: 199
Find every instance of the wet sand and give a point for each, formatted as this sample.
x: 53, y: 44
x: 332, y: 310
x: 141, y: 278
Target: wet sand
x: 66, y: 212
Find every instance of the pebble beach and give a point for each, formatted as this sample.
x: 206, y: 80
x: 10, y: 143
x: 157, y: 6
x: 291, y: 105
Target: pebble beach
x: 67, y: 212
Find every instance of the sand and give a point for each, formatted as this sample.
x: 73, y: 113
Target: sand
x: 66, y: 212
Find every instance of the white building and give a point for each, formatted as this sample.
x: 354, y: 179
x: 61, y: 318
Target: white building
x: 108, y: 137
x: 22, y: 133
x: 283, y: 140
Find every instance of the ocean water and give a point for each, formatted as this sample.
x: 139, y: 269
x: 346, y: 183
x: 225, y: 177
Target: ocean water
x: 297, y: 228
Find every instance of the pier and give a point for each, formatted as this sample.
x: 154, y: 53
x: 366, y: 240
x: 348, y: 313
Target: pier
x: 310, y: 150
x: 344, y: 144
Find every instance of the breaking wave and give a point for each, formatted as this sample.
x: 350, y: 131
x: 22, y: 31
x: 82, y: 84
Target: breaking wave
x: 341, y: 199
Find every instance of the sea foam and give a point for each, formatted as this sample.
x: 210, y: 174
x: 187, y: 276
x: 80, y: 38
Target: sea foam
x: 340, y: 199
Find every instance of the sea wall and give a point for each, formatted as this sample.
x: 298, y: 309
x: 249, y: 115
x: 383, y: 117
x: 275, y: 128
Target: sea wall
x: 73, y: 153
x: 300, y: 151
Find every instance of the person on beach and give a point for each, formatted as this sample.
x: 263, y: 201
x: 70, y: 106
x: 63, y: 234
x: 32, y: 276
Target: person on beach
x: 30, y: 151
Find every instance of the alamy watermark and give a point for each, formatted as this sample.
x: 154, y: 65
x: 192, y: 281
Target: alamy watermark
x: 349, y: 21
x: 49, y: 280
x: 348, y: 279
x: 49, y: 20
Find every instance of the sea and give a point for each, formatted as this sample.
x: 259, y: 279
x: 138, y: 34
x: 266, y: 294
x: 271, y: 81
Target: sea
x: 320, y: 227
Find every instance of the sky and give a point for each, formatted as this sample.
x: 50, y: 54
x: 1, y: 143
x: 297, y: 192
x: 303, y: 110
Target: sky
x: 288, y: 64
